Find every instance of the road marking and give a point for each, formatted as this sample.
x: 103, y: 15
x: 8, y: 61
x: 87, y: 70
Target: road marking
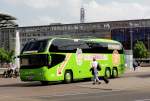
x: 3, y: 96
x: 76, y: 93
x: 143, y: 100
x: 82, y: 93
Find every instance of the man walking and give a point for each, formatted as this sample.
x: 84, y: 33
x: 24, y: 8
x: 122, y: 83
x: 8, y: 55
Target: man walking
x: 95, y: 68
x: 95, y: 71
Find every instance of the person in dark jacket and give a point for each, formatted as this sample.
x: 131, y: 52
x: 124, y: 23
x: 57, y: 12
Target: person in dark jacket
x: 135, y: 65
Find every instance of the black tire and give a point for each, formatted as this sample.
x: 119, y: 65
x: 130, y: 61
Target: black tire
x: 107, y: 73
x: 44, y: 83
x: 114, y: 73
x: 68, y: 77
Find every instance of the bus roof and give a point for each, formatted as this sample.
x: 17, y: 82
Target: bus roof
x: 96, y: 40
x: 104, y: 40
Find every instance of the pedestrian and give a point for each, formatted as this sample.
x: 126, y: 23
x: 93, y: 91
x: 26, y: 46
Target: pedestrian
x: 95, y: 71
x: 135, y: 65
x: 95, y: 68
x: 6, y: 73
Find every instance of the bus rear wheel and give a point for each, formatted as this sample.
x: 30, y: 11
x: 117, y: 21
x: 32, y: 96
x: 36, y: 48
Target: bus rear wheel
x: 114, y: 73
x: 107, y: 73
x: 68, y: 77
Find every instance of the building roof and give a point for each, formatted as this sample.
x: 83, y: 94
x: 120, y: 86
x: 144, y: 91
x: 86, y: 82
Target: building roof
x: 116, y: 24
x: 7, y: 21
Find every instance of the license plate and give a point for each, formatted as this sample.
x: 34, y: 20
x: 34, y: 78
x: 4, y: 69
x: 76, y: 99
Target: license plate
x: 24, y: 62
x: 30, y: 77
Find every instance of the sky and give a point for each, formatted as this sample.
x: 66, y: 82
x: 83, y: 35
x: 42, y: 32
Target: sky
x: 45, y: 12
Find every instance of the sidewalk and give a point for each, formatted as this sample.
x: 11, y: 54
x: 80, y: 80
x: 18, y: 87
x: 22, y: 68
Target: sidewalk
x: 140, y: 69
x: 117, y: 84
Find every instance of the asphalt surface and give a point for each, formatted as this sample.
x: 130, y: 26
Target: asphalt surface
x: 132, y: 86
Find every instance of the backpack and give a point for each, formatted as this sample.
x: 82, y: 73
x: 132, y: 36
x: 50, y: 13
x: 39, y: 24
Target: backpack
x: 92, y: 71
x: 98, y: 67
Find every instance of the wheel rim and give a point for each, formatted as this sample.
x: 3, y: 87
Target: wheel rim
x: 68, y: 77
x: 115, y: 74
x: 107, y: 73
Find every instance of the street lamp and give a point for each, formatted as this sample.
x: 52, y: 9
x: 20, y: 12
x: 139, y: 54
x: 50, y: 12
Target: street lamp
x: 131, y: 46
x: 131, y: 36
x: 148, y: 38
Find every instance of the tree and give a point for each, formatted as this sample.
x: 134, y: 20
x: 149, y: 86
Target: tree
x: 140, y: 50
x: 3, y: 55
x: 6, y: 56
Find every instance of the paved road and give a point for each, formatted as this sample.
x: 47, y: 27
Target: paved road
x: 133, y: 86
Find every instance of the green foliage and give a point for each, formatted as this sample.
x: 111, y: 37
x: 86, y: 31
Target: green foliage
x: 140, y: 50
x: 6, y: 56
x: 148, y: 54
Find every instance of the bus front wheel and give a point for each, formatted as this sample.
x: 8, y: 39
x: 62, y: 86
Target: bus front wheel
x: 68, y: 77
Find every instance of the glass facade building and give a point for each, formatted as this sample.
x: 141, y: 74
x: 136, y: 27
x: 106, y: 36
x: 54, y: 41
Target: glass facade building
x: 131, y: 35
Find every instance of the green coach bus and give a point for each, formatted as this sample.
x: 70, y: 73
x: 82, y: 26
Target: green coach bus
x: 66, y: 59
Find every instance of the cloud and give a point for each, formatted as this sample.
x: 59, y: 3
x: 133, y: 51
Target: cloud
x: 36, y: 4
x: 47, y: 20
x: 13, y: 2
x: 41, y: 20
x: 40, y: 4
x: 68, y: 11
x: 116, y: 11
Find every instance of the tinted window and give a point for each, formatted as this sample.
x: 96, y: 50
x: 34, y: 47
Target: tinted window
x: 67, y: 46
x: 70, y: 46
x: 34, y: 61
x: 56, y: 59
x: 35, y: 46
x: 100, y: 47
x: 95, y: 47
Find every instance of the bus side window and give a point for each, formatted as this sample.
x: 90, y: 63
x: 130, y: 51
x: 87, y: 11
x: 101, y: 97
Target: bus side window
x: 97, y: 47
x: 56, y: 59
x: 53, y: 48
x: 63, y: 46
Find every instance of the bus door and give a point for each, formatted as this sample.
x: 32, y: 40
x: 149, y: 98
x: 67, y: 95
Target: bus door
x: 81, y: 61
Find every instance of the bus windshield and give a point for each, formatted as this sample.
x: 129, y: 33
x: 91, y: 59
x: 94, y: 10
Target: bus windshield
x: 38, y: 46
